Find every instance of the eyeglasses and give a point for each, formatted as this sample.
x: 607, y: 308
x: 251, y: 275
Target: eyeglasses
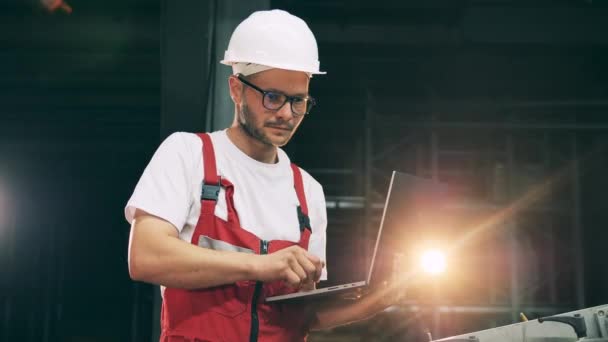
x: 273, y: 100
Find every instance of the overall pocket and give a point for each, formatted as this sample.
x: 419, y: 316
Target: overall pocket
x: 228, y: 300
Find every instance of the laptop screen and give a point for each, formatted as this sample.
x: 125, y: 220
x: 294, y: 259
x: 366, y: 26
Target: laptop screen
x: 411, y: 207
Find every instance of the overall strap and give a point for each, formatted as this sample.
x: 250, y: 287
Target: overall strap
x: 211, y: 181
x: 303, y: 207
x: 210, y: 189
x: 211, y: 176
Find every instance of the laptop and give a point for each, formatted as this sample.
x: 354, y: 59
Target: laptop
x: 406, y: 195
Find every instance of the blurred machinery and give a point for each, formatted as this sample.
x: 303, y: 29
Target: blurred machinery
x: 586, y: 325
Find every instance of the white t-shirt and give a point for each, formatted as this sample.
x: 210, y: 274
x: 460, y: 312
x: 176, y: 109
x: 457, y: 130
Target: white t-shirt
x: 264, y: 195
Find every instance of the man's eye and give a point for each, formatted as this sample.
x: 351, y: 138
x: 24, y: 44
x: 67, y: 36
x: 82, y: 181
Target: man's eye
x: 274, y: 97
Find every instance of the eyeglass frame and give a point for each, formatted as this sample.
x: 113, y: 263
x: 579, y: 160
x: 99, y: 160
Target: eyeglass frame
x: 310, y: 101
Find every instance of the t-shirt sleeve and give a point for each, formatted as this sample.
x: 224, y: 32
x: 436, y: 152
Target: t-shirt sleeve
x: 164, y: 187
x: 318, y: 221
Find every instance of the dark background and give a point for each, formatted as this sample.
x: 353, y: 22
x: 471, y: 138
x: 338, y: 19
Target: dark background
x: 493, y: 97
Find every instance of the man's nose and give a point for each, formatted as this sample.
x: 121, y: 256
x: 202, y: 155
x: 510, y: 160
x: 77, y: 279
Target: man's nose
x: 285, y: 112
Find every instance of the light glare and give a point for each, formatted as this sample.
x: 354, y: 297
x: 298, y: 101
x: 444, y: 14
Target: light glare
x: 433, y: 262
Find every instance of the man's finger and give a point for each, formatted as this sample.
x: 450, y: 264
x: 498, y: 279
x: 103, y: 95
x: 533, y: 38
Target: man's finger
x: 319, y: 272
x: 295, y: 266
x: 318, y: 263
x: 308, y: 266
x: 292, y: 279
x: 313, y: 258
x: 308, y: 286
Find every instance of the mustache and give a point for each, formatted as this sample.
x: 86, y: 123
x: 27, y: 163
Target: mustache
x: 280, y: 125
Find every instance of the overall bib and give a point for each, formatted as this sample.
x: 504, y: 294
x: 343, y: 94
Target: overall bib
x: 234, y: 312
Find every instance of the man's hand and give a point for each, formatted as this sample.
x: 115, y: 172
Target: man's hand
x: 386, y: 295
x: 294, y: 265
x: 341, y: 312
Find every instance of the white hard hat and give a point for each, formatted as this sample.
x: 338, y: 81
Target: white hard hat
x: 275, y: 39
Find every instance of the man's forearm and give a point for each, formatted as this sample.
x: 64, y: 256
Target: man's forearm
x: 337, y: 314
x: 166, y: 260
x: 340, y: 313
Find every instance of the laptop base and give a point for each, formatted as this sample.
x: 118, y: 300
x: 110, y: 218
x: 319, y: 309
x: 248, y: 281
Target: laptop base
x: 318, y: 292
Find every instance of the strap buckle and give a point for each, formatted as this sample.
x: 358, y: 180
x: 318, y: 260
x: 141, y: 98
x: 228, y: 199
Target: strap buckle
x: 211, y: 191
x: 304, y: 220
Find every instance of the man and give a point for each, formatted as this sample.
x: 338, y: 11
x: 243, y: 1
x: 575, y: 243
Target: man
x: 223, y: 220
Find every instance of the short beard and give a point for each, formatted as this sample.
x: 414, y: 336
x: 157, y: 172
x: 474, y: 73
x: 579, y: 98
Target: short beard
x: 245, y: 124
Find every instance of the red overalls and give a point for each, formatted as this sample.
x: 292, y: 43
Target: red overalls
x: 235, y: 312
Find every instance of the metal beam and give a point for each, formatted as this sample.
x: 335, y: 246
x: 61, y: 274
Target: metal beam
x: 475, y: 309
x: 186, y: 31
x: 512, y: 233
x: 229, y: 14
x: 551, y: 254
x: 479, y: 25
x: 577, y: 225
x: 491, y: 125
x: 368, y: 168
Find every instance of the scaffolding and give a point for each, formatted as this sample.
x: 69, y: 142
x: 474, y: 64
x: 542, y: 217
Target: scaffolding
x: 521, y: 183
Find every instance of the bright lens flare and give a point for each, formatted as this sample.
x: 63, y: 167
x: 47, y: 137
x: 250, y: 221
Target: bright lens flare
x: 433, y: 262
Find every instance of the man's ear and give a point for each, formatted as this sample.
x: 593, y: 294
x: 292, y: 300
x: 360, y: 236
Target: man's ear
x: 236, y: 89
